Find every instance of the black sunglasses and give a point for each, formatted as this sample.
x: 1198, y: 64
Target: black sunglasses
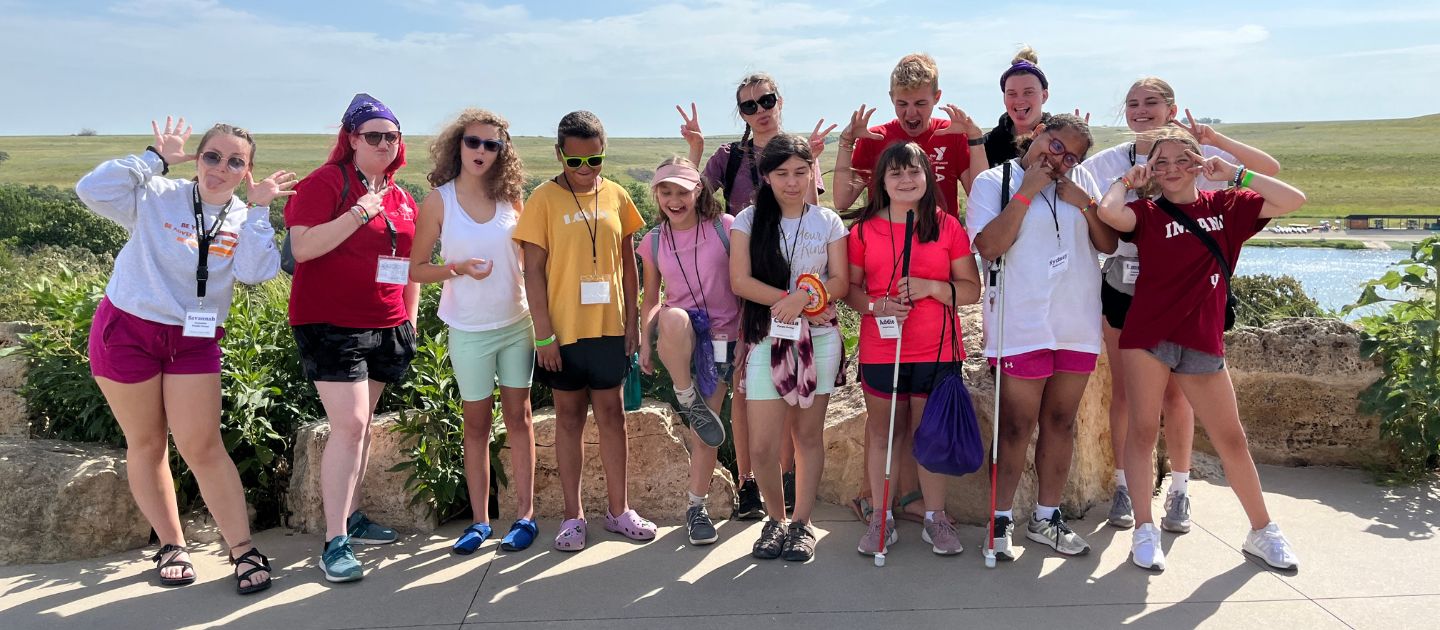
x: 767, y: 101
x: 373, y: 138
x: 473, y: 142
x: 213, y: 158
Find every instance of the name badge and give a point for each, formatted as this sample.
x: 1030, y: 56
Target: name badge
x: 721, y: 350
x: 1132, y: 271
x: 782, y: 330
x: 393, y: 270
x: 1059, y: 264
x: 201, y: 323
x: 889, y: 327
x: 594, y: 291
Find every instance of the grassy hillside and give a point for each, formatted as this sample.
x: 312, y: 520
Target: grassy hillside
x: 1345, y: 167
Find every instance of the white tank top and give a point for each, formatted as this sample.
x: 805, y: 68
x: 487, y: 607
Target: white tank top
x: 498, y: 300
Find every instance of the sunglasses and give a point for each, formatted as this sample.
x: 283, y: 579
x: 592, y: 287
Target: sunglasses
x: 373, y: 138
x: 767, y: 101
x: 589, y: 160
x: 1058, y: 148
x: 473, y: 142
x: 213, y: 158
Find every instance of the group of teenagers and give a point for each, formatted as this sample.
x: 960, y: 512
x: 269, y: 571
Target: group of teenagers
x: 736, y: 292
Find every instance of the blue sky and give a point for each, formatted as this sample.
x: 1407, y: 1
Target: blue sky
x: 274, y: 66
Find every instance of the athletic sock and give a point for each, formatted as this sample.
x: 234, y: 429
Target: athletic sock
x: 1005, y: 513
x: 889, y: 518
x: 930, y: 514
x: 1120, y: 479
x: 686, y: 396
x: 1044, y: 512
x: 695, y: 499
x: 1179, y: 481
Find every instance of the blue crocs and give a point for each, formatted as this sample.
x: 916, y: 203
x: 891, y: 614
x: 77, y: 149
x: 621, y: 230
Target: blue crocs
x: 522, y: 533
x: 474, y: 536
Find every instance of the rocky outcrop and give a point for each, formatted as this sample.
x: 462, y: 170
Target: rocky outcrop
x: 658, y: 470
x: 968, y: 497
x: 64, y: 501
x: 1296, y: 383
x: 384, y: 497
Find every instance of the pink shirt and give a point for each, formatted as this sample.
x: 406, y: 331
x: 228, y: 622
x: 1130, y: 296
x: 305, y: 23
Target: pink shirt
x: 695, y: 271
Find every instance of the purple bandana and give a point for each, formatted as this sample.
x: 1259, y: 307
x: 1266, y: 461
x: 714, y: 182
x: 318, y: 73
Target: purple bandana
x: 365, y: 107
x: 1021, y: 67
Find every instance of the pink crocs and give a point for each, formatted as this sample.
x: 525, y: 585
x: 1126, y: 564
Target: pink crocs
x: 630, y: 525
x: 572, y: 535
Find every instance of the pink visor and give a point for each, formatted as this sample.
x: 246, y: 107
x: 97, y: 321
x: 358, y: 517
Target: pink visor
x: 679, y: 174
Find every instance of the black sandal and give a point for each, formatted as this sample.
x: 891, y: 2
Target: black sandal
x: 174, y: 551
x: 250, y: 558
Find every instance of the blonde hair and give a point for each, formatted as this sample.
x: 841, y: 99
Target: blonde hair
x: 706, y: 206
x: 1026, y: 53
x: 1157, y: 85
x: 504, y: 181
x: 222, y: 129
x: 1164, y: 134
x: 915, y: 71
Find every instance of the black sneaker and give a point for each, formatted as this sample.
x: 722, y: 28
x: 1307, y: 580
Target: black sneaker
x: 799, y: 543
x: 750, y: 507
x: 702, y: 531
x: 788, y: 481
x: 771, y: 541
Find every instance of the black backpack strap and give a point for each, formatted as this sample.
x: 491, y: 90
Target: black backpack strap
x: 344, y: 188
x: 1209, y: 242
x: 1004, y: 200
x: 732, y: 168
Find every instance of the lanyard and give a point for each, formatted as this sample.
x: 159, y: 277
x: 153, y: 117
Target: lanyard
x: 1132, y: 154
x: 694, y: 261
x: 594, y: 232
x: 1054, y: 213
x: 204, y: 238
x: 389, y: 225
x: 894, y: 255
x: 790, y: 258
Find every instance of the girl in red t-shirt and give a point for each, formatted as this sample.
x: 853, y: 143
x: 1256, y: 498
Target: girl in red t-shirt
x: 942, y: 276
x: 1175, y: 324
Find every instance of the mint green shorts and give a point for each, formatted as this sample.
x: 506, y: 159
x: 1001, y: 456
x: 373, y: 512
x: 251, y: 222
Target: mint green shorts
x: 480, y: 357
x: 759, y: 382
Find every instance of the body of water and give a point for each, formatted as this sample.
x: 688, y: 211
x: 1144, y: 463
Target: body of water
x: 1332, y: 276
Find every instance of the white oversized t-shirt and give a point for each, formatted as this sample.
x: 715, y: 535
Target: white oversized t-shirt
x: 1051, y: 276
x: 1112, y: 163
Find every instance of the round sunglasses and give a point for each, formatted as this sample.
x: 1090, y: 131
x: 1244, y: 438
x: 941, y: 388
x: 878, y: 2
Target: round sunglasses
x: 212, y: 159
x: 373, y: 138
x: 767, y: 100
x: 474, y: 142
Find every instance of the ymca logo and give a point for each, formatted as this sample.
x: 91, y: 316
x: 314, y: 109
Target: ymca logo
x: 939, y: 154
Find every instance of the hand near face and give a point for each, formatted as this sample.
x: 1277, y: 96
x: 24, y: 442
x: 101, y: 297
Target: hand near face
x: 277, y: 185
x: 1213, y: 168
x: 817, y: 139
x: 1139, y: 175
x: 1071, y: 193
x: 859, y: 126
x: 960, y: 122
x: 1204, y: 134
x: 170, y: 143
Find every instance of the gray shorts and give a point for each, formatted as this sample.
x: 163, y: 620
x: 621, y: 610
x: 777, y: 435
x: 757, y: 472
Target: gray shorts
x: 1182, y: 360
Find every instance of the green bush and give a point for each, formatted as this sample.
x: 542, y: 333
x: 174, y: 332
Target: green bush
x: 18, y: 269
x: 1405, y: 340
x: 1264, y: 298
x: 31, y: 216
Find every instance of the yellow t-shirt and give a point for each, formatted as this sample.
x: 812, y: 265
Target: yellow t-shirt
x: 563, y: 224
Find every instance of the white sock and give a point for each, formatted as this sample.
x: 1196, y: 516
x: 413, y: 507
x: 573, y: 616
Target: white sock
x: 1044, y: 512
x: 1179, y: 481
x: 1004, y: 513
x: 930, y: 514
x: 695, y: 499
x: 686, y: 396
x: 1120, y: 479
x: 889, y: 518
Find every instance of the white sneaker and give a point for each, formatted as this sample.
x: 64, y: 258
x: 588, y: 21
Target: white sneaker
x: 1145, y: 550
x: 1270, y: 545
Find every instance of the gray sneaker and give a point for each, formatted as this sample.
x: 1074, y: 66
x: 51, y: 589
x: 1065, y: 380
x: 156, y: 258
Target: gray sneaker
x: 697, y: 521
x: 1177, y: 513
x: 704, y: 422
x: 1122, y: 513
x: 1054, y: 533
x: 941, y: 535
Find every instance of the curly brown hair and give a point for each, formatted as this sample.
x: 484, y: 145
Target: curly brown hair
x: 505, y: 180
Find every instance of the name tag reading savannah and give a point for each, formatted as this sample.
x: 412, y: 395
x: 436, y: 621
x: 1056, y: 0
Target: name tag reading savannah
x: 392, y: 270
x: 594, y: 291
x: 201, y: 323
x: 782, y: 330
x: 1132, y: 271
x: 889, y: 327
x: 1059, y: 264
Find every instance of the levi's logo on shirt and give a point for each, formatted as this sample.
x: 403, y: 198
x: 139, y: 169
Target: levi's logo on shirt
x: 1209, y: 224
x: 581, y: 217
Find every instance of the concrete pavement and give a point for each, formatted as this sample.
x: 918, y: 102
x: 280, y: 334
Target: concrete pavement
x: 1370, y: 555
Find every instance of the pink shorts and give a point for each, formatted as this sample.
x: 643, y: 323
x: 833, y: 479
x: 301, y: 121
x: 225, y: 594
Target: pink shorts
x: 127, y: 349
x: 1038, y: 364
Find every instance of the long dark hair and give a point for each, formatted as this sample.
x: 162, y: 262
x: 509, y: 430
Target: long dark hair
x: 767, y: 262
x: 897, y: 156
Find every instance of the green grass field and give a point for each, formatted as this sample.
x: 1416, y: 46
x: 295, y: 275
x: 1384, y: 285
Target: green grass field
x: 1348, y: 167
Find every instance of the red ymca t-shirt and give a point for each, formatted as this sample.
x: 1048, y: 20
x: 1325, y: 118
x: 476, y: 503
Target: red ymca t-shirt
x: 1180, y: 294
x: 340, y: 288
x: 876, y: 247
x: 949, y: 155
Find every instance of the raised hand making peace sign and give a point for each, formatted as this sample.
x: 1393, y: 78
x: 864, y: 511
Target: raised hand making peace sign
x: 817, y: 139
x: 690, y: 129
x: 1204, y: 134
x: 170, y: 143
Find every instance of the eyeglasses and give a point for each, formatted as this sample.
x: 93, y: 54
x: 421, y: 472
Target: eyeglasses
x: 1058, y: 148
x: 589, y: 160
x: 473, y: 142
x: 212, y: 159
x: 373, y: 138
x: 767, y: 100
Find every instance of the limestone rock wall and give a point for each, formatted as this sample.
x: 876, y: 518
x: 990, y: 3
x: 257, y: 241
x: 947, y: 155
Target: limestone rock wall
x: 64, y: 501
x: 383, y: 496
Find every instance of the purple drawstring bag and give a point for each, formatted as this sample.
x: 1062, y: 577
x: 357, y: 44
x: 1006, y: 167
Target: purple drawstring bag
x: 703, y: 357
x: 948, y: 440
